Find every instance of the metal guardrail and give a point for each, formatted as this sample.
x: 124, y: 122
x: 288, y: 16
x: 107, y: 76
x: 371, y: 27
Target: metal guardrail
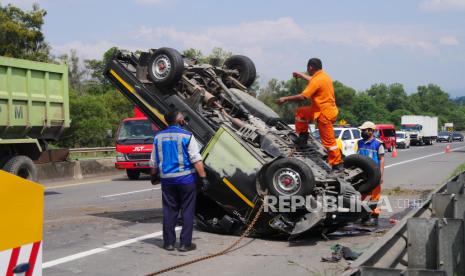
x: 430, y: 240
x: 90, y: 150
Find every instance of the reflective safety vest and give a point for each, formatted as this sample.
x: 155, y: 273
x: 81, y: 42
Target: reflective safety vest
x: 369, y: 148
x: 172, y: 156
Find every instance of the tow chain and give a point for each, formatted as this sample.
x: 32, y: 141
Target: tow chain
x: 219, y: 253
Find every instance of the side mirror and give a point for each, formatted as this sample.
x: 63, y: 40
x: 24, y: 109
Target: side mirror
x: 109, y: 134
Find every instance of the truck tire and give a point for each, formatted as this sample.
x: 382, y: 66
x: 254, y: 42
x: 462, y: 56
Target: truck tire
x: 21, y: 166
x: 245, y: 66
x: 371, y: 174
x: 289, y: 177
x: 133, y: 174
x: 165, y: 67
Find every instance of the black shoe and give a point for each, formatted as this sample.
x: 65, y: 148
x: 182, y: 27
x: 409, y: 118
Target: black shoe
x: 168, y: 247
x: 302, y: 140
x: 185, y: 248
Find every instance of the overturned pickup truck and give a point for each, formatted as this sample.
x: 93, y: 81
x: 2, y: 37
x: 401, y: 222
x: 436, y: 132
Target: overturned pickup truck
x: 249, y: 152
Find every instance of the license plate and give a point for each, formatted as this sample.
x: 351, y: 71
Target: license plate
x: 142, y: 164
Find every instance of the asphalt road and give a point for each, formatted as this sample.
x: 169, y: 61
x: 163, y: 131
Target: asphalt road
x: 112, y: 226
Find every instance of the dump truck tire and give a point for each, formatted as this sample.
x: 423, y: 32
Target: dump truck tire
x: 371, y: 172
x: 21, y: 166
x: 165, y: 67
x: 245, y: 66
x: 289, y: 177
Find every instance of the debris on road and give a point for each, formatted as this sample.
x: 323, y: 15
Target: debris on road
x: 338, y: 252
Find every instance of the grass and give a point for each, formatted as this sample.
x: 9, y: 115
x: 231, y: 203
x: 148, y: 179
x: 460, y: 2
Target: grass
x: 397, y: 191
x: 459, y: 170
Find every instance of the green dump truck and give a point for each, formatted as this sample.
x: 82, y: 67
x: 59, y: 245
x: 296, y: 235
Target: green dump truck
x: 34, y: 109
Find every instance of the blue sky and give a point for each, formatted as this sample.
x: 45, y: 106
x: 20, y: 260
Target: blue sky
x: 412, y: 42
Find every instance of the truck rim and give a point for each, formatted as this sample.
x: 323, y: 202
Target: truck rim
x: 287, y: 181
x: 161, y: 67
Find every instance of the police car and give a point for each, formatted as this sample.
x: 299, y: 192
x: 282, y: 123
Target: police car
x: 346, y: 138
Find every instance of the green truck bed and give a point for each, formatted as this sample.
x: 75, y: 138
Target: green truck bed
x: 34, y: 100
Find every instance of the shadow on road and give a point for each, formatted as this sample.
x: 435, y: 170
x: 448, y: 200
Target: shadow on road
x: 153, y: 215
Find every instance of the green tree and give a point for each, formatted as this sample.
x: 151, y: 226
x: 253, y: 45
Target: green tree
x: 345, y: 95
x: 97, y: 66
x: 89, y: 122
x: 75, y: 72
x: 21, y: 33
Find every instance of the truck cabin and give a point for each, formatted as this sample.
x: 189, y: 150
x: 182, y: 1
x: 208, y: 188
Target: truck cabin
x: 411, y: 127
x: 387, y: 134
x: 137, y: 130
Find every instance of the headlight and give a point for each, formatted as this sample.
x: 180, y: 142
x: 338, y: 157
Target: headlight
x: 120, y: 157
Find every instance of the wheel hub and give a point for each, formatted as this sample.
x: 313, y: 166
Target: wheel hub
x: 161, y: 67
x: 287, y: 181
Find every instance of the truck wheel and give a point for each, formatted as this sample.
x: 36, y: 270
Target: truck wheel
x: 21, y: 166
x: 165, y: 67
x: 289, y: 177
x: 370, y: 176
x: 245, y: 66
x: 133, y: 174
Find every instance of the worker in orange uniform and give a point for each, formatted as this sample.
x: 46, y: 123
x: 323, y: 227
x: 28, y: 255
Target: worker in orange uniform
x: 323, y: 110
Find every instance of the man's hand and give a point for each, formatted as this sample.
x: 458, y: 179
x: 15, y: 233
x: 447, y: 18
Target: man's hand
x: 281, y: 100
x: 155, y: 178
x: 205, y: 184
x: 299, y: 75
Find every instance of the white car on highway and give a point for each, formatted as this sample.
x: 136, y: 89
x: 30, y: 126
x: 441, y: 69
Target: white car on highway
x: 402, y: 140
x: 346, y: 138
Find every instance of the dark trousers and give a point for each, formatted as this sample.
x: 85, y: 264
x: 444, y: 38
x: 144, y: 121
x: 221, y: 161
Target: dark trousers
x: 178, y: 197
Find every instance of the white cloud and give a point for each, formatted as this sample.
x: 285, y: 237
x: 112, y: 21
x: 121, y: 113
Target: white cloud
x: 449, y: 40
x: 84, y: 50
x: 442, y: 5
x: 287, y: 31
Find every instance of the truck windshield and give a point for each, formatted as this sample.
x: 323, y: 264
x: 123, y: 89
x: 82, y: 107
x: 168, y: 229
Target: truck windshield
x: 411, y: 127
x: 136, y: 132
x: 400, y: 135
x: 389, y: 132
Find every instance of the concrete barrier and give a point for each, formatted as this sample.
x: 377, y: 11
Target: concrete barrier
x: 57, y: 171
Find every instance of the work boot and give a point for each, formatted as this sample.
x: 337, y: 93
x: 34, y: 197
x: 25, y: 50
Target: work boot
x: 185, y: 248
x: 168, y: 247
x: 302, y: 140
x: 336, y: 170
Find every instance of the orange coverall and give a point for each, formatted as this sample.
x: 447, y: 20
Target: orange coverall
x: 323, y: 110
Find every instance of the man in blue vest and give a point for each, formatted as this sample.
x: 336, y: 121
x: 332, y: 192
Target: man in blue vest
x: 177, y: 162
x: 373, y: 148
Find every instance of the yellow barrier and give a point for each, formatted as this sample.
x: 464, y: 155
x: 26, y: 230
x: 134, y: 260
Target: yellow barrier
x: 21, y: 222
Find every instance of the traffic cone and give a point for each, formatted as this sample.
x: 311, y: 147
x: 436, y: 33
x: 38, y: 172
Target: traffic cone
x: 394, y: 152
x: 447, y: 149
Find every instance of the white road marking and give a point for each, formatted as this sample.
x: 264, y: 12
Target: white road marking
x: 418, y: 158
x: 133, y: 192
x: 101, y: 249
x: 78, y: 184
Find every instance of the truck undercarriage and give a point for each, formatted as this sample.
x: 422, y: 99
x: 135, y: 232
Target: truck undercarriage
x: 249, y: 152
